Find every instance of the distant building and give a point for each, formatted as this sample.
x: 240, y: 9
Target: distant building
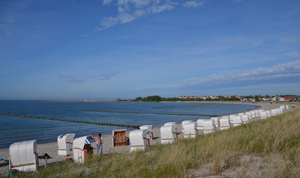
x: 211, y: 97
x: 188, y: 97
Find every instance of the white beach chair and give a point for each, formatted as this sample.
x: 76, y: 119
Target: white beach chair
x: 149, y: 129
x: 237, y: 121
x: 263, y: 115
x: 245, y: 118
x: 274, y: 112
x: 268, y: 113
x: 224, y: 123
x: 168, y: 134
x: 190, y: 130
x: 216, y: 123
x: 23, y: 156
x: 79, y: 153
x: 279, y: 111
x: 282, y: 107
x: 138, y: 140
x: 287, y: 106
x: 185, y: 122
x: 208, y: 126
x: 65, y: 144
x: 252, y: 114
x: 172, y: 124
x: 200, y: 125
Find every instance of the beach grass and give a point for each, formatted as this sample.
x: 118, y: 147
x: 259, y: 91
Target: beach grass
x: 264, y: 148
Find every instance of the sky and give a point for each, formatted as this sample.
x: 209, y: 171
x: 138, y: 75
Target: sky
x: 109, y: 49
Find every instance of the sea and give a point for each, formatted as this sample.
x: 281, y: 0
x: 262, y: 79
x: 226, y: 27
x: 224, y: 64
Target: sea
x: 16, y: 129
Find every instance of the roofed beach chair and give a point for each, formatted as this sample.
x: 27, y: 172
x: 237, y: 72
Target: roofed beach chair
x: 168, y: 134
x: 263, y: 115
x: 172, y: 124
x: 224, y: 123
x: 149, y: 129
x: 216, y: 123
x: 65, y: 144
x: 237, y: 121
x: 269, y: 113
x: 190, y: 130
x: 208, y: 126
x: 185, y: 122
x: 138, y: 140
x: 245, y: 118
x: 23, y: 156
x: 282, y: 107
x: 287, y: 106
x: 279, y: 111
x: 81, y: 148
x: 274, y: 112
x: 252, y: 114
x: 256, y: 113
x: 200, y: 125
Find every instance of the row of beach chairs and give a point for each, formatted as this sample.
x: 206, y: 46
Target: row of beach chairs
x: 23, y: 155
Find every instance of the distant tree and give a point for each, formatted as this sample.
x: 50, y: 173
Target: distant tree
x: 153, y: 98
x: 267, y: 96
x: 221, y: 98
x: 256, y: 98
x: 138, y: 99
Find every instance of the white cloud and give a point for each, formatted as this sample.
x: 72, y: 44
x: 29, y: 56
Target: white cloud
x: 130, y: 10
x: 261, y: 75
x: 292, y: 54
x: 258, y: 44
x: 193, y: 4
x: 291, y: 39
x: 107, y: 2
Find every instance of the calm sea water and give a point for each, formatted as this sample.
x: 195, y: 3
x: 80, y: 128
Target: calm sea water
x: 14, y: 129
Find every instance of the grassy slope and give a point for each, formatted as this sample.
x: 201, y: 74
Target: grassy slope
x: 278, y: 136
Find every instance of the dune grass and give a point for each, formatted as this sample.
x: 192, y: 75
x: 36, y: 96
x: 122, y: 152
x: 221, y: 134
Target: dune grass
x: 264, y: 148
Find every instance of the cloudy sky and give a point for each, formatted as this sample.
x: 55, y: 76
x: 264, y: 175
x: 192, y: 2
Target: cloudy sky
x: 109, y: 49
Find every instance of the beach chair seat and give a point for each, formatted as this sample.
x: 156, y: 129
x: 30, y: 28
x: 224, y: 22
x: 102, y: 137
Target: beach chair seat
x: 65, y: 144
x: 149, y: 129
x: 190, y: 130
x: 119, y: 137
x: 168, y: 134
x: 23, y: 156
x: 138, y: 140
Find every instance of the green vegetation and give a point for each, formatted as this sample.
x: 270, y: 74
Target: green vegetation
x: 157, y: 98
x: 264, y: 148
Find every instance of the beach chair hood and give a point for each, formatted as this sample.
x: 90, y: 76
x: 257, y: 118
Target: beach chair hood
x: 23, y: 156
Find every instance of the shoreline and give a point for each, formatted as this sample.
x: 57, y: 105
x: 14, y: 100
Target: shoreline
x: 51, y: 147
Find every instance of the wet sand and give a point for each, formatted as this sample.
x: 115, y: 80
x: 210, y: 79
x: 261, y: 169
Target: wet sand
x: 51, y: 148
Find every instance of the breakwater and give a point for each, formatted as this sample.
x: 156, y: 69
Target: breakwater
x: 151, y: 113
x: 64, y: 120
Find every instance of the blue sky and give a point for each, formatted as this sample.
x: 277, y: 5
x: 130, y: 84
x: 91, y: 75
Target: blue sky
x: 109, y: 49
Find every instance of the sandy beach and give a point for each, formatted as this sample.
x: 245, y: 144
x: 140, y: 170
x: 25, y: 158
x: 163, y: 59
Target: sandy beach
x: 51, y: 148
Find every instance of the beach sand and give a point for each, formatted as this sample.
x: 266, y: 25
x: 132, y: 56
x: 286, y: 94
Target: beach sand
x: 51, y: 148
